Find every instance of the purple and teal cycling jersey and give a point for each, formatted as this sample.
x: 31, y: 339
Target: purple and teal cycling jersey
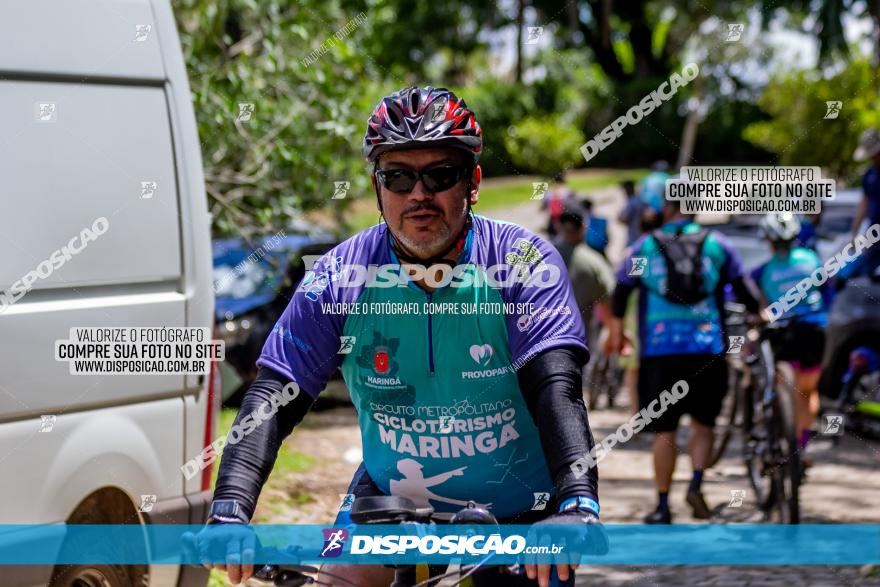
x: 782, y: 273
x: 669, y: 328
x: 433, y: 375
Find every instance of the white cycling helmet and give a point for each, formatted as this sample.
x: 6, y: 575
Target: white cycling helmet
x: 780, y: 226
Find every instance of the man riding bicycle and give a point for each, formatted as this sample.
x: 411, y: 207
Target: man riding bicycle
x: 453, y: 406
x: 802, y: 338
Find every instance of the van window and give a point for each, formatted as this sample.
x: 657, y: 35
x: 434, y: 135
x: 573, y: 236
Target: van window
x: 73, y: 153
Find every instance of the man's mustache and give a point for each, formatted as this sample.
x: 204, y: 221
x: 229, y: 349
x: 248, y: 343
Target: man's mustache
x: 426, y: 207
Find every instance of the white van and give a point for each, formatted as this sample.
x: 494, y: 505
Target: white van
x: 96, y: 122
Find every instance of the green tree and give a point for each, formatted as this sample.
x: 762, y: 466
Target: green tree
x: 799, y: 133
x: 544, y: 144
x: 281, y: 93
x: 425, y: 43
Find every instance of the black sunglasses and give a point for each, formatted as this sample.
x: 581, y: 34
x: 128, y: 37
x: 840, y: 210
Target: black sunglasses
x: 435, y: 179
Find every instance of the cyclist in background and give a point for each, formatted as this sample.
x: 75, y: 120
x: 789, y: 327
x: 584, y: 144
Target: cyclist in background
x: 631, y: 214
x: 680, y: 271
x: 557, y: 199
x: 802, y: 339
x: 629, y: 358
x: 596, y: 235
x: 591, y: 276
x: 808, y: 237
x: 869, y: 148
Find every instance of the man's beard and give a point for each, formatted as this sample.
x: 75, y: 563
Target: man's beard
x: 426, y: 248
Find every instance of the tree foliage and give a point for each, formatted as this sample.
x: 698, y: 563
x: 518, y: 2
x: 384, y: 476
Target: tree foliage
x: 313, y: 69
x: 798, y: 132
x: 544, y: 144
x: 308, y: 113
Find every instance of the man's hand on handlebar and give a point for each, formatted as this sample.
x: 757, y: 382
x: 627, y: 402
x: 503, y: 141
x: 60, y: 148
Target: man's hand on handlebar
x: 586, y: 536
x: 234, y: 544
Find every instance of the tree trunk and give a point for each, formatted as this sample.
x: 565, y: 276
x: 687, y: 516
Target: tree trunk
x: 520, y: 14
x: 876, y: 16
x: 691, y: 125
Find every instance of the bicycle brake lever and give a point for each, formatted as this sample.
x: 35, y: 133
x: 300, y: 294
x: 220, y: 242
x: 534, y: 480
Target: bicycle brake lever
x: 266, y: 573
x: 292, y: 579
x: 271, y: 572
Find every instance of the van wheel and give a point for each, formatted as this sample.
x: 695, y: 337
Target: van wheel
x: 100, y: 575
x: 106, y: 506
x: 93, y: 576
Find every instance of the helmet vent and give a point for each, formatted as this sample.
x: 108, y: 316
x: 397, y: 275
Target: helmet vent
x: 393, y: 117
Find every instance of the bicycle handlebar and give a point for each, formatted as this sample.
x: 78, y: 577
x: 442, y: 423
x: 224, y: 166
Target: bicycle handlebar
x: 386, y: 509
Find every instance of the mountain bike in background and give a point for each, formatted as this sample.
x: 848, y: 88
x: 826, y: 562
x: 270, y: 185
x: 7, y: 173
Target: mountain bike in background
x: 739, y: 376
x: 760, y: 403
x: 770, y: 446
x: 603, y: 377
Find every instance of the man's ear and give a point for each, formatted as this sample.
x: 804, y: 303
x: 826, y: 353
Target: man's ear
x: 476, y: 177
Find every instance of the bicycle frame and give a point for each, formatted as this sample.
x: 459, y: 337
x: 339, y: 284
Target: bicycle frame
x: 770, y: 447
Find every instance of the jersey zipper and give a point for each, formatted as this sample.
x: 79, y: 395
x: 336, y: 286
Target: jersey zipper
x: 430, y: 338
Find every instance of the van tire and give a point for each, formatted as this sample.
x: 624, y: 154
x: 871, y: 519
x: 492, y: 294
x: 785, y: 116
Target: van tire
x: 105, y: 506
x: 94, y: 576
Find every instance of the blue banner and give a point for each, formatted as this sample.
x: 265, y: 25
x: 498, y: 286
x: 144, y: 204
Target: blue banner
x: 849, y: 544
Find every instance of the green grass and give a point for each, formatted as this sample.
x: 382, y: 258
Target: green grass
x: 518, y: 191
x: 500, y: 196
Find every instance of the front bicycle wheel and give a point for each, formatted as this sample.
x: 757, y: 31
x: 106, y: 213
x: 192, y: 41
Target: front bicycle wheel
x: 756, y: 453
x: 787, y: 472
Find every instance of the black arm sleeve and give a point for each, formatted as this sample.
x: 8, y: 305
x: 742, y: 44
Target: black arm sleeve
x: 619, y: 298
x: 245, y: 466
x: 551, y: 385
x: 747, y: 294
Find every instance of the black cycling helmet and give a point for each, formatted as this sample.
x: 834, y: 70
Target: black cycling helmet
x: 414, y: 118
